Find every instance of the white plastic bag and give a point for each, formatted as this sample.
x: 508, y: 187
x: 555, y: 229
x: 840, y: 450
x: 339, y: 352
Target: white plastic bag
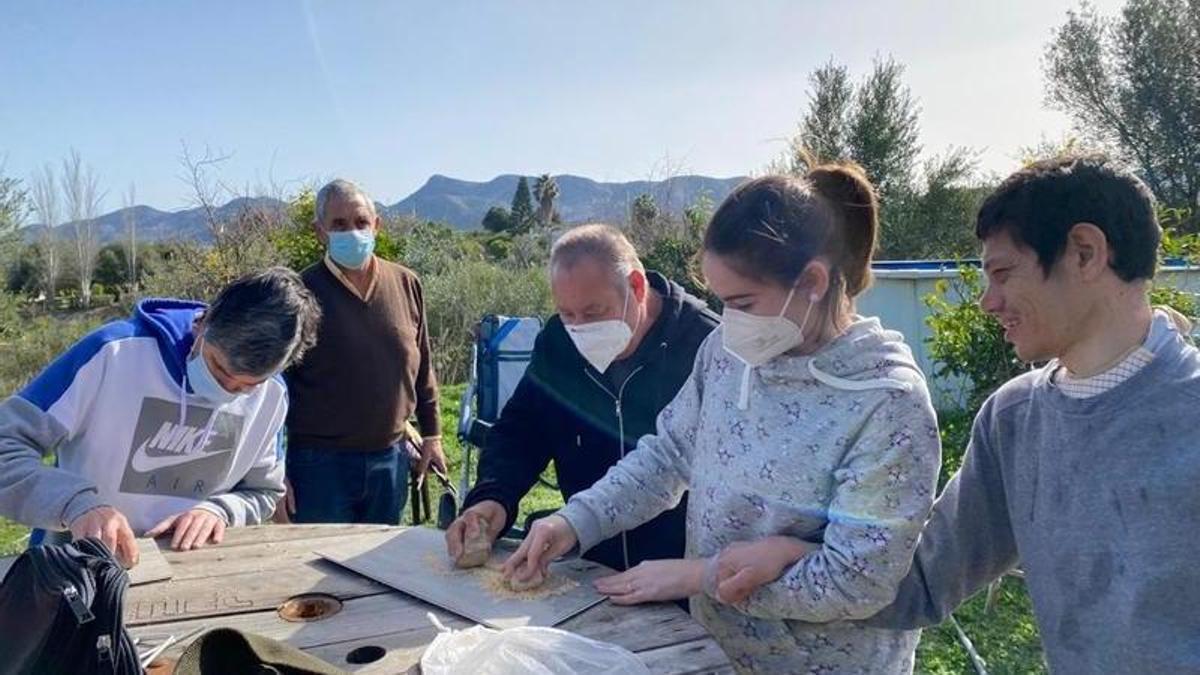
x: 541, y: 651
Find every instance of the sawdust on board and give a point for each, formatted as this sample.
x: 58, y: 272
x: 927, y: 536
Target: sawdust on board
x: 491, y: 579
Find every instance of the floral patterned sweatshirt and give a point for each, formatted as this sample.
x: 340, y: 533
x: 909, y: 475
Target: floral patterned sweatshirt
x: 839, y: 447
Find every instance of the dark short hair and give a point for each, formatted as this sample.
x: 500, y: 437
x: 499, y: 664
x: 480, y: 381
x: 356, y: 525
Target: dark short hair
x: 1038, y: 205
x: 263, y: 321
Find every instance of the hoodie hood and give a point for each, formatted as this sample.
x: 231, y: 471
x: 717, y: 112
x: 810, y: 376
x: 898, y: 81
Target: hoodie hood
x: 676, y: 302
x: 170, y: 322
x: 865, y: 356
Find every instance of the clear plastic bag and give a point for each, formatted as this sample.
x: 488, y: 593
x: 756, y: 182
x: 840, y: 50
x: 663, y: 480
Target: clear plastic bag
x: 541, y: 651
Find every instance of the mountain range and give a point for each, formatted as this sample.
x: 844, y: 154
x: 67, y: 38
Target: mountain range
x: 461, y: 204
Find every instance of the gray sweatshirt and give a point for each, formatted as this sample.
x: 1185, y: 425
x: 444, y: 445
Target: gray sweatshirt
x: 1097, y: 500
x: 839, y: 447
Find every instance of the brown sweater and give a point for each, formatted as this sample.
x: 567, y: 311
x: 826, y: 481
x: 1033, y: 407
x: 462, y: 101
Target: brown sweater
x: 371, y: 368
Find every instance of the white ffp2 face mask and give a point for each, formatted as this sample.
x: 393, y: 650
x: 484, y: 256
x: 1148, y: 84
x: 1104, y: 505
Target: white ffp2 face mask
x: 755, y: 339
x: 600, y: 342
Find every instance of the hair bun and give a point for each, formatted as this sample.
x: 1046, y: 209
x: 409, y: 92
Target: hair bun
x: 845, y: 186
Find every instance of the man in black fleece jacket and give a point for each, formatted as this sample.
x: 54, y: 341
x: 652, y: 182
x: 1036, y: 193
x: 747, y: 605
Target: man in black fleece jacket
x: 617, y: 352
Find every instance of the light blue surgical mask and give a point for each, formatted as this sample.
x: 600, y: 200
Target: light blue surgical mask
x: 204, y: 384
x: 352, y: 248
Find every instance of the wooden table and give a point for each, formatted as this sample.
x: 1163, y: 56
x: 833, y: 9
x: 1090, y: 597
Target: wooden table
x: 243, y: 582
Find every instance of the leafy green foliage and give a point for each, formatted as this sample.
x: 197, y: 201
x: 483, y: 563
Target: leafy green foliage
x: 430, y: 249
x: 935, y: 219
x: 644, y: 211
x: 927, y: 209
x: 677, y: 259
x: 1132, y: 83
x: 1006, y: 636
x: 522, y: 207
x: 875, y: 124
x: 1175, y: 243
x: 497, y: 219
x: 1177, y: 247
x: 955, y: 429
x: 14, y: 207
x: 30, y: 339
x: 966, y: 342
x: 545, y: 189
x: 460, y: 294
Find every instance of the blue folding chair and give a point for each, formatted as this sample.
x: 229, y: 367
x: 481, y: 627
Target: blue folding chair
x: 502, y: 350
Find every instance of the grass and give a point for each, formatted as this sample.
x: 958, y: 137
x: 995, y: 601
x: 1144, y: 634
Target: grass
x: 540, y: 498
x: 1005, y: 637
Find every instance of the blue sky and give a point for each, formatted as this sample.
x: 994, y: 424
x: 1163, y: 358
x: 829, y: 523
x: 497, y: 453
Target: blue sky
x: 388, y: 93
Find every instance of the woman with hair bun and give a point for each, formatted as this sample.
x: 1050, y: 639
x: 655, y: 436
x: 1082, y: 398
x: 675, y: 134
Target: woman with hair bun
x: 805, y: 436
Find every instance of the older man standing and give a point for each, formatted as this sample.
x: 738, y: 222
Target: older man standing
x: 370, y: 372
x: 619, y: 349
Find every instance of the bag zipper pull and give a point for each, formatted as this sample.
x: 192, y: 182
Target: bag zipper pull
x: 104, y: 654
x: 82, y: 613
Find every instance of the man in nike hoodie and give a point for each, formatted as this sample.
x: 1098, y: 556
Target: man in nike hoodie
x: 166, y: 421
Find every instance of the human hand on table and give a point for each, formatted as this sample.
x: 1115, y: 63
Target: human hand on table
x: 547, y: 540
x: 654, y: 581
x: 109, y: 526
x: 193, y: 529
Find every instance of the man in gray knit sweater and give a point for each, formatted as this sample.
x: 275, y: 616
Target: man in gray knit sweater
x: 1085, y: 472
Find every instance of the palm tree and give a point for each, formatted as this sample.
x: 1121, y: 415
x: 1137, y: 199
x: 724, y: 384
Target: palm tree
x: 545, y: 189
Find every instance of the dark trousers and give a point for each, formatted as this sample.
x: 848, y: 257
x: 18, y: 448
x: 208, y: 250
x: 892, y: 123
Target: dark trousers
x: 343, y: 486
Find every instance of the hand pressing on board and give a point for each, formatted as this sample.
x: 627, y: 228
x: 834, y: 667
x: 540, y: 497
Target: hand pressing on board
x: 469, y: 538
x: 548, y: 539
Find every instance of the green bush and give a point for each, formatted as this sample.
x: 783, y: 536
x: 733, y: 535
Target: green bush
x: 955, y: 428
x: 966, y: 342
x: 30, y: 340
x: 194, y: 271
x: 676, y: 258
x: 429, y: 248
x: 459, y: 296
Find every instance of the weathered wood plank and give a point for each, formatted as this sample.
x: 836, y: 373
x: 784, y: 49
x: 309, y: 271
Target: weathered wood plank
x: 697, y: 656
x: 404, y: 650
x: 240, y: 593
x: 360, y: 618
x: 241, y: 586
x: 219, y: 561
x: 265, y: 534
x: 637, y: 628
x: 393, y: 614
x: 152, y: 565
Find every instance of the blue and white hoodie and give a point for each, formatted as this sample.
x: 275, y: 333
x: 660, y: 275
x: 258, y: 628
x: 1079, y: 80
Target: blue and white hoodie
x: 129, y: 433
